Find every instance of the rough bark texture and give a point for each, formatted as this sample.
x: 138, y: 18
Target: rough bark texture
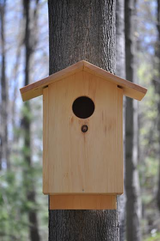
x: 26, y: 124
x: 83, y: 225
x: 120, y: 71
x: 80, y: 29
x: 120, y: 39
x: 132, y: 179
x: 4, y: 150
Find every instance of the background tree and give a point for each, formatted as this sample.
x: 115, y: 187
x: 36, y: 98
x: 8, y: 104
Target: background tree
x: 29, y: 42
x: 4, y: 145
x: 157, y: 52
x: 120, y: 71
x: 131, y: 149
x: 15, y: 182
x: 82, y: 30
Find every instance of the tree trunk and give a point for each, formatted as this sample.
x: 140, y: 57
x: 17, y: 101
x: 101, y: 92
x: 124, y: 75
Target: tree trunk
x: 120, y: 39
x: 158, y: 91
x: 4, y: 150
x: 132, y: 179
x: 120, y: 71
x: 80, y: 29
x: 26, y: 124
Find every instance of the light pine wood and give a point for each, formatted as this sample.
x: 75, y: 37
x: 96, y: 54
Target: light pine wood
x: 36, y: 89
x: 45, y: 138
x: 119, y: 139
x: 82, y: 202
x: 78, y: 163
x: 129, y: 89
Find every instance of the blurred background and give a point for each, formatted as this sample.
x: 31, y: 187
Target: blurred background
x: 24, y: 58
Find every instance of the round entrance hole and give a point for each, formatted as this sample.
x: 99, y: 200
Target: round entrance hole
x: 83, y: 107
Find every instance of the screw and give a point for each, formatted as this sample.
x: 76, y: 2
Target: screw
x: 84, y: 128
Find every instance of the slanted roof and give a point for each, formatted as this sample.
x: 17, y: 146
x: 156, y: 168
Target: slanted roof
x: 129, y: 89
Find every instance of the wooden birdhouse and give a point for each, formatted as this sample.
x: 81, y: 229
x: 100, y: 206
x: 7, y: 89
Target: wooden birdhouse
x: 83, y: 135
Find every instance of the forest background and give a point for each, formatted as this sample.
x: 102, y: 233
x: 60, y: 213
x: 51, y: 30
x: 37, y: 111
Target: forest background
x: 24, y: 58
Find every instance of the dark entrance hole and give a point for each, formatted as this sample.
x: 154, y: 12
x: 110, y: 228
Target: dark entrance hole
x: 83, y: 107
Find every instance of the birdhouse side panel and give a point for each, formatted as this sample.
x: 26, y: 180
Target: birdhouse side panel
x: 45, y: 140
x: 119, y: 167
x: 76, y: 161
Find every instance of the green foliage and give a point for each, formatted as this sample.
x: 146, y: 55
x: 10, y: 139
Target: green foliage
x: 155, y: 237
x: 16, y: 183
x: 13, y: 203
x: 13, y: 223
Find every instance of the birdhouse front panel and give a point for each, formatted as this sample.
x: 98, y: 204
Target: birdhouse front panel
x: 83, y: 143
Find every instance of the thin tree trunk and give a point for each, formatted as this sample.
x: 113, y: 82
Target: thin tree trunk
x: 80, y: 29
x: 4, y: 149
x: 120, y: 71
x: 158, y: 191
x: 15, y: 93
x: 158, y: 90
x: 132, y: 179
x: 26, y: 124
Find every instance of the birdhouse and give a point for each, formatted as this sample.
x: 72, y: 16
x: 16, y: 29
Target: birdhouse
x: 83, y: 135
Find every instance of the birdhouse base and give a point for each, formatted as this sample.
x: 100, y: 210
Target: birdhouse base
x: 83, y: 202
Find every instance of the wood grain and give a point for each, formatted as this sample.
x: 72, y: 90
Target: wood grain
x: 82, y: 202
x: 129, y: 89
x: 76, y: 162
x: 36, y: 89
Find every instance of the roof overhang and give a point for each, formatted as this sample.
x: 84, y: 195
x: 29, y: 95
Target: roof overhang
x: 129, y: 89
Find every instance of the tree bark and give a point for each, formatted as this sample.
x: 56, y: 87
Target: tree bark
x: 26, y: 124
x: 4, y: 150
x: 80, y: 29
x: 120, y: 39
x: 120, y: 71
x: 133, y: 209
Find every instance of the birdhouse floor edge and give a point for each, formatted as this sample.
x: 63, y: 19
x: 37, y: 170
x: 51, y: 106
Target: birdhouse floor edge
x: 82, y: 202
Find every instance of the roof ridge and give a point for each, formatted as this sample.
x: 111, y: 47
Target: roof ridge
x: 130, y: 89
